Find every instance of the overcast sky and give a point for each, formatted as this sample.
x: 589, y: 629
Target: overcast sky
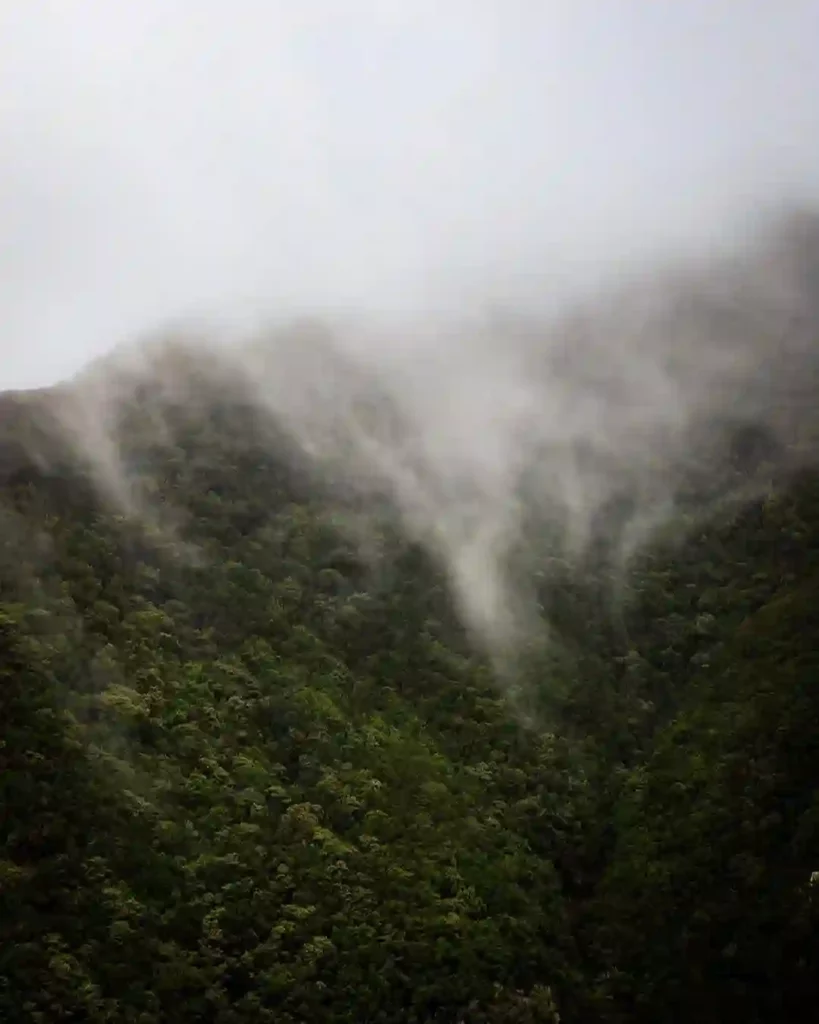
x: 161, y: 158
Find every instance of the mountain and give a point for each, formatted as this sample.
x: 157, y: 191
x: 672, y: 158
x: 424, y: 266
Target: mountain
x: 256, y: 764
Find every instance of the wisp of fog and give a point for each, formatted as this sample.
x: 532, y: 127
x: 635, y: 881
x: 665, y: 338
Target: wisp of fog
x: 476, y: 426
x: 481, y: 258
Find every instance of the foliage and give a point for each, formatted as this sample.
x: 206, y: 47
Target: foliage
x: 248, y: 775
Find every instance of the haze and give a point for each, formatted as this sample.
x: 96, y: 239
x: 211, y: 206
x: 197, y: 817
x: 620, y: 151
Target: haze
x: 164, y: 159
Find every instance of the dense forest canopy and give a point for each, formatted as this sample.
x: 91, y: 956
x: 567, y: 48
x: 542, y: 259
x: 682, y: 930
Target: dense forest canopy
x: 264, y: 755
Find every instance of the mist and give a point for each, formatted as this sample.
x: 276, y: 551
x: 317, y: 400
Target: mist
x: 699, y: 377
x: 478, y: 257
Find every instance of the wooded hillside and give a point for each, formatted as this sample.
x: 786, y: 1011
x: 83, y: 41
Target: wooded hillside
x: 249, y: 774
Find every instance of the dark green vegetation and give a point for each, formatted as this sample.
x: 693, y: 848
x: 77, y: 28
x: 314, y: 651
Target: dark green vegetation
x: 274, y: 782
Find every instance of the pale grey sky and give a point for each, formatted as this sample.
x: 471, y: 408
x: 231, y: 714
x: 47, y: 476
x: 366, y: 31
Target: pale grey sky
x: 160, y: 158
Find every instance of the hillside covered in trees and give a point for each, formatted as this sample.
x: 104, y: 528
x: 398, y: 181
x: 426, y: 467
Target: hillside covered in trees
x: 255, y: 767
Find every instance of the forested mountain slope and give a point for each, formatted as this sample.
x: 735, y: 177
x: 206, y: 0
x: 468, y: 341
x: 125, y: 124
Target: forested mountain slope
x: 254, y: 768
